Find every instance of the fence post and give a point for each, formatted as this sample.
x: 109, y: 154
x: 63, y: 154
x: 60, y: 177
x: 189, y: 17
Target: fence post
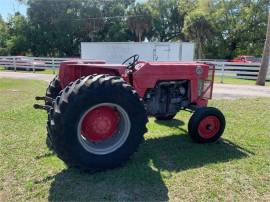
x: 53, y: 65
x: 222, y: 73
x: 33, y: 66
x: 14, y: 63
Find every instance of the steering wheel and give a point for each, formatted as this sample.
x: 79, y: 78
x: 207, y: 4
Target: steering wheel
x: 131, y: 61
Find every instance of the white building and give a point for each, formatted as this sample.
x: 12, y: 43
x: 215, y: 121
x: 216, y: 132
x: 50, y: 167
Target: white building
x: 117, y: 52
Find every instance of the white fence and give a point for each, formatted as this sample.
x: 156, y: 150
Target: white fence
x: 237, y: 70
x: 223, y: 69
x: 30, y: 63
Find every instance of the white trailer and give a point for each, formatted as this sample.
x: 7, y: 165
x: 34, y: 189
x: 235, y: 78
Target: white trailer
x: 116, y: 52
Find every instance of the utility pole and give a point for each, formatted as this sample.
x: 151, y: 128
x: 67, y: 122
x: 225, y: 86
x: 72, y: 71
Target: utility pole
x: 266, y: 55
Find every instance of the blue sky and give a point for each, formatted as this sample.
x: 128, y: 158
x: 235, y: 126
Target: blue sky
x: 10, y: 7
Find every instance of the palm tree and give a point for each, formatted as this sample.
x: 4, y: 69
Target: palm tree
x: 266, y: 57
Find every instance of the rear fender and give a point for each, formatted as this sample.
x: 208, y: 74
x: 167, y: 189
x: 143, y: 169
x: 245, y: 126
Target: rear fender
x: 70, y: 72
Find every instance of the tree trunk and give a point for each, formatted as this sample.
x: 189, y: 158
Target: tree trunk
x: 140, y: 37
x: 266, y: 56
x: 199, y: 49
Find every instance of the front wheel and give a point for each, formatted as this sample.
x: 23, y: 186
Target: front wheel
x: 206, y: 125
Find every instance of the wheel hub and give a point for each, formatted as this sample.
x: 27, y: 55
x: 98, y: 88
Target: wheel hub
x: 103, y: 128
x: 100, y: 123
x: 209, y: 127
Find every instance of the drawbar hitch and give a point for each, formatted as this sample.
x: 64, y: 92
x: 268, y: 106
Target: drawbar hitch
x: 43, y: 107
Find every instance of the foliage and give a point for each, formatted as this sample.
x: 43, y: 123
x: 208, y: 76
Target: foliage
x: 58, y: 26
x: 220, y: 28
x: 140, y: 21
x: 240, y: 28
x: 115, y: 27
x: 3, y: 37
x: 62, y: 25
x: 13, y: 38
x: 168, y: 19
x: 198, y: 28
x: 17, y: 42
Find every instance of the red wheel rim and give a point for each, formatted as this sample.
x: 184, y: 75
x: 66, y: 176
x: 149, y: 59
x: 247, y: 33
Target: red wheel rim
x: 100, y: 123
x: 209, y: 127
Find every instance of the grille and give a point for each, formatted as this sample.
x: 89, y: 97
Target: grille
x: 205, y: 87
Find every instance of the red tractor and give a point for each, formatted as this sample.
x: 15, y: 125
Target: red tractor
x: 97, y: 112
x: 244, y: 59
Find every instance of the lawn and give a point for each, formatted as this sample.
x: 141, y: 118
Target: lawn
x: 168, y: 166
x: 238, y: 81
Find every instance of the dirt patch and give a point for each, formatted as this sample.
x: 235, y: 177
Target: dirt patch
x: 233, y: 91
x: 3, y: 196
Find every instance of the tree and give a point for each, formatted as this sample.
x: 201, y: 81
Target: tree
x: 58, y: 27
x: 266, y: 57
x: 3, y: 37
x: 17, y: 41
x: 220, y: 28
x: 54, y: 27
x: 168, y: 19
x: 140, y: 21
x: 239, y: 28
x: 115, y: 24
x: 198, y: 28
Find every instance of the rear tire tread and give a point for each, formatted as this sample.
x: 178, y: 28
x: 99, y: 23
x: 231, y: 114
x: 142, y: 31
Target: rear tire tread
x: 73, y: 95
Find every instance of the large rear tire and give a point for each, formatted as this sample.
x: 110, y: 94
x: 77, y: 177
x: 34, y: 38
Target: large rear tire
x: 97, y: 123
x: 53, y: 89
x: 206, y: 125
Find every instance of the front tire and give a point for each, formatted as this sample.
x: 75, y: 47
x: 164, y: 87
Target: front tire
x: 97, y: 123
x: 206, y: 125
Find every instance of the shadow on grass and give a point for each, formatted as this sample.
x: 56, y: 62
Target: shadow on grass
x: 140, y: 179
x: 175, y: 123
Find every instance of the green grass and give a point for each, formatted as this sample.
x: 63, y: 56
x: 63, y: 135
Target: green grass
x: 237, y: 81
x: 168, y: 166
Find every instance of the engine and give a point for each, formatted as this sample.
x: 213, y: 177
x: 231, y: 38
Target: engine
x: 167, y: 98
